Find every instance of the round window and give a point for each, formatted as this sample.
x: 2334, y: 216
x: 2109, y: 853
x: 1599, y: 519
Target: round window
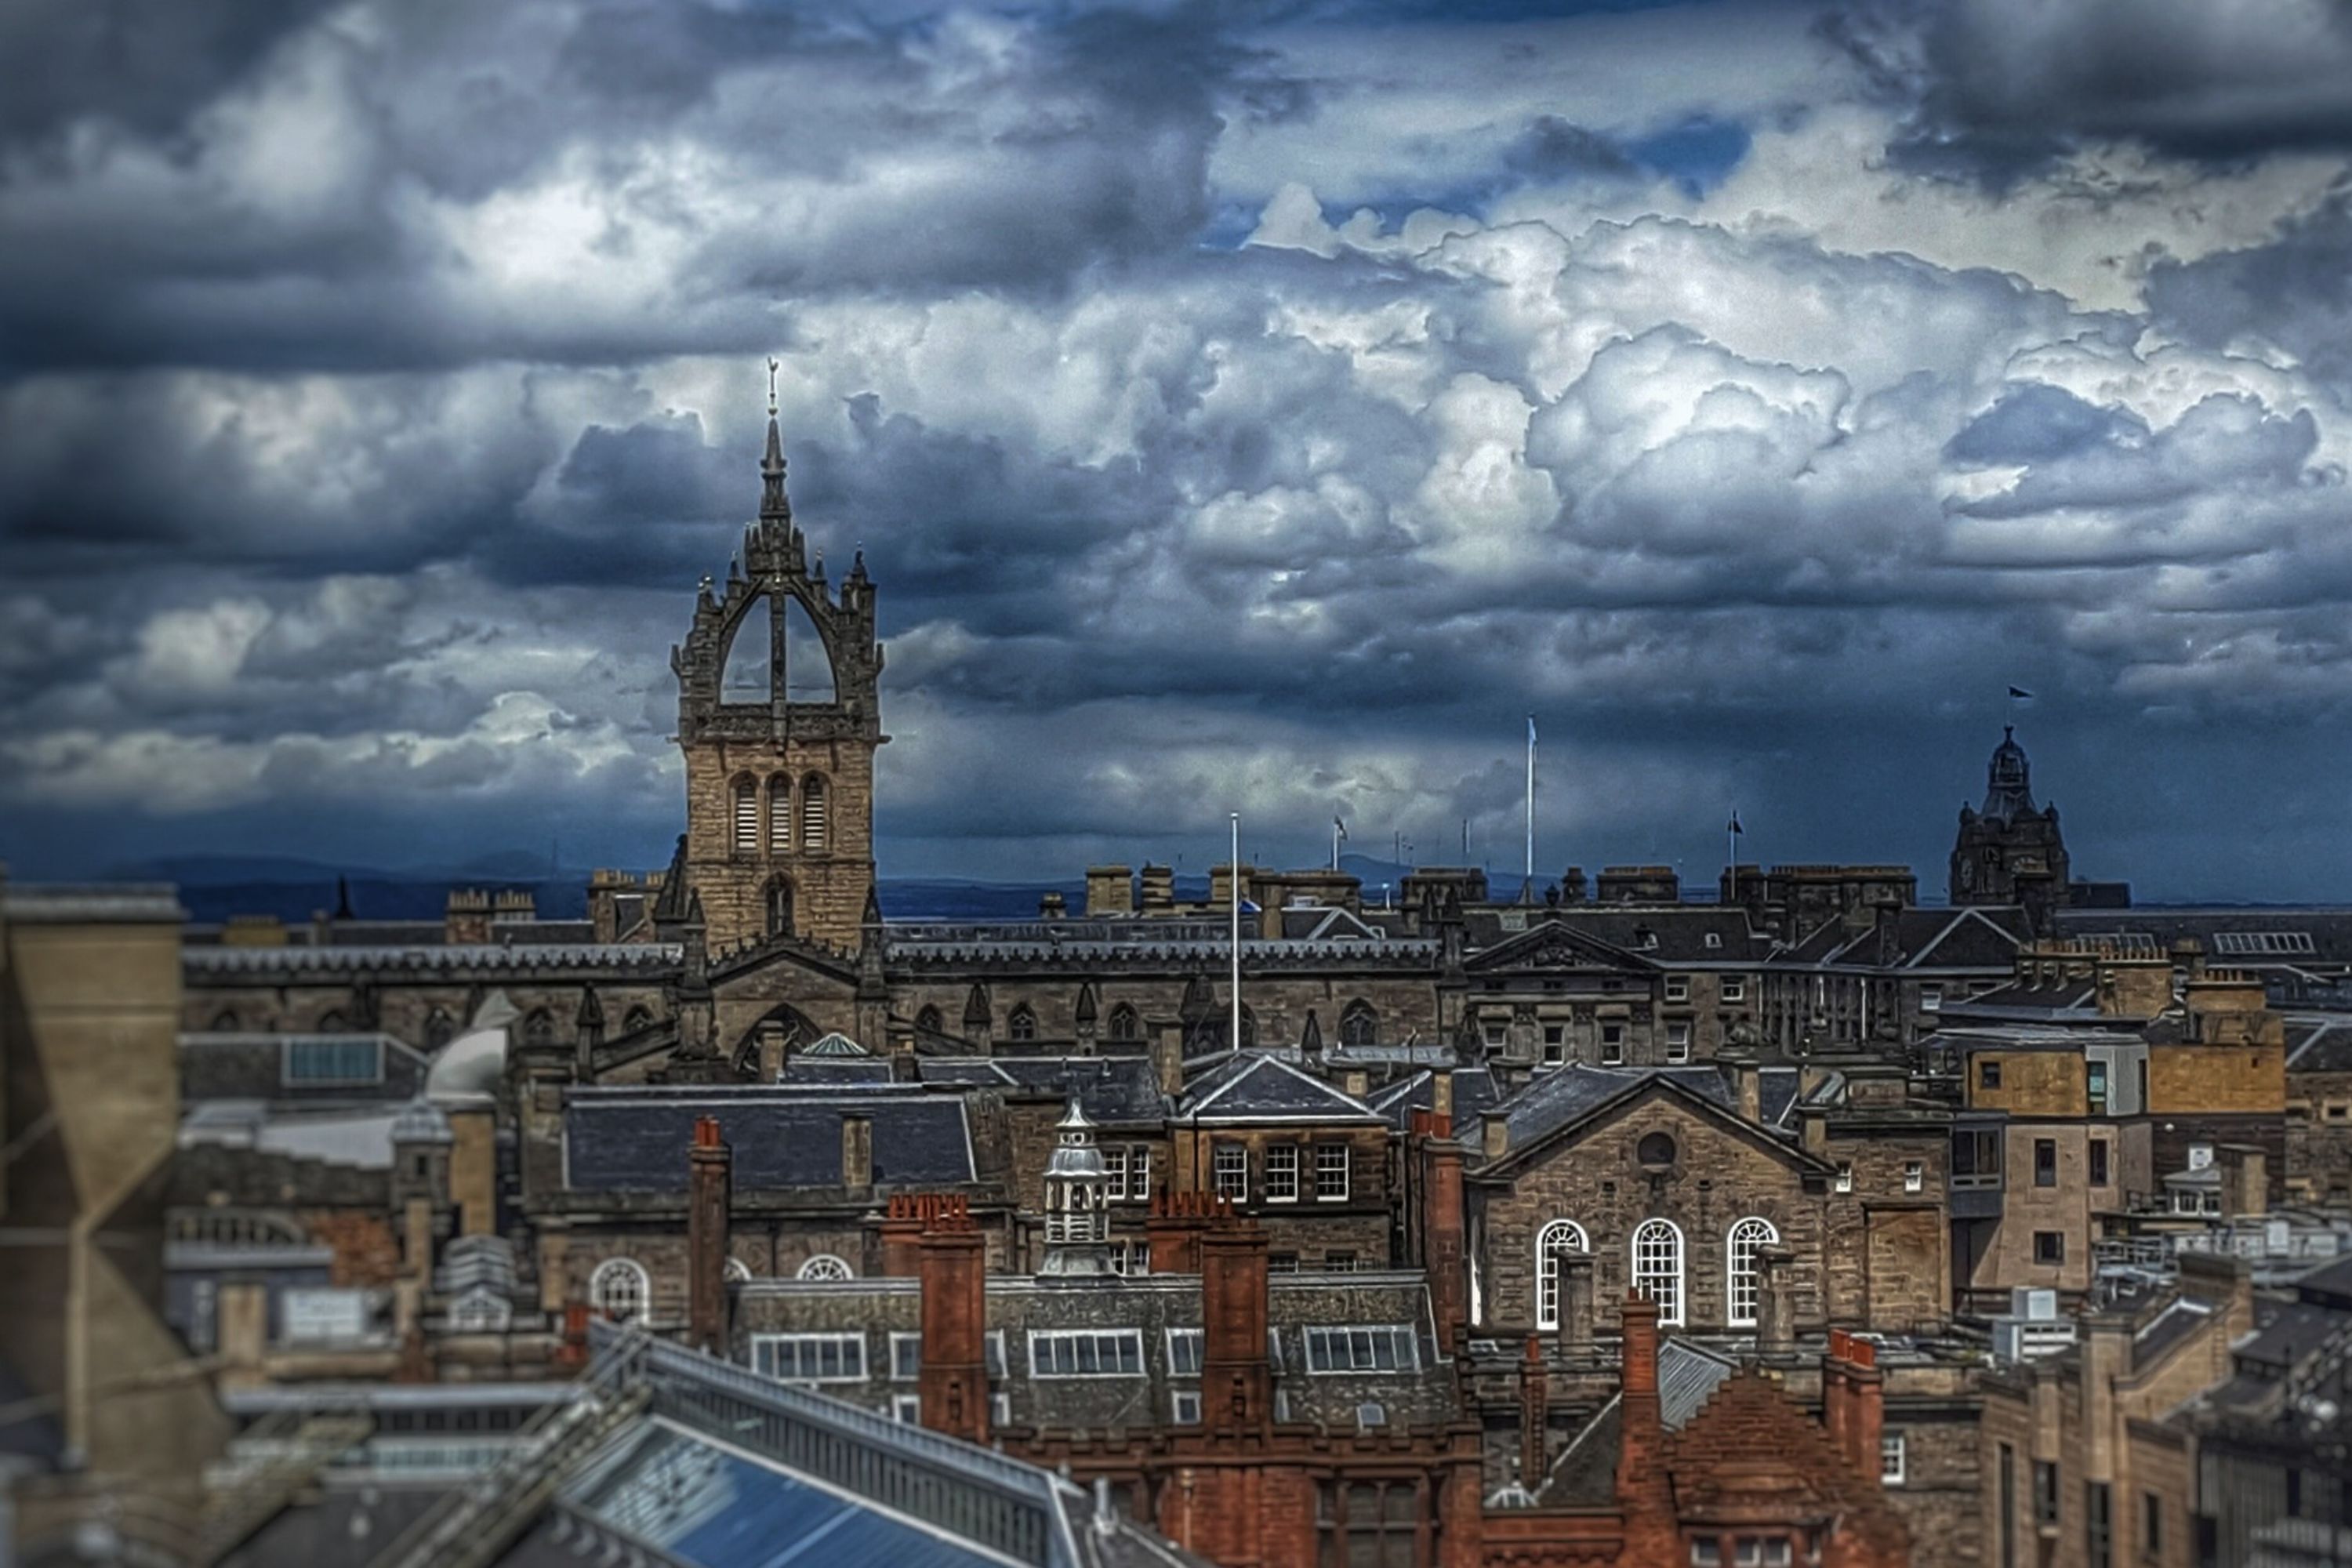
x: 1658, y: 1148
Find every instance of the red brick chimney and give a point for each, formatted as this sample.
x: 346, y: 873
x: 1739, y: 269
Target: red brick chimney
x: 1535, y: 1417
x: 1172, y: 1230
x: 710, y: 1190
x: 902, y: 1235
x: 1236, y: 1386
x: 1853, y: 1403
x: 1645, y: 1494
x: 953, y: 1386
x: 571, y: 1351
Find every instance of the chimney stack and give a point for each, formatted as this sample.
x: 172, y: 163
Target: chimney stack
x: 1776, y: 1311
x: 1576, y: 1303
x: 1237, y: 1387
x: 1443, y: 1225
x: 1535, y: 1417
x: 1854, y: 1402
x: 710, y: 1179
x: 2245, y: 1181
x: 1746, y: 1085
x: 953, y: 1386
x: 1640, y: 1450
x: 1172, y: 1230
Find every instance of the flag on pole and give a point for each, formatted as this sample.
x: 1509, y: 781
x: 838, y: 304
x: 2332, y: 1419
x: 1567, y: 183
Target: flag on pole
x: 1733, y: 826
x: 2018, y: 691
x: 1340, y: 829
x: 1531, y: 729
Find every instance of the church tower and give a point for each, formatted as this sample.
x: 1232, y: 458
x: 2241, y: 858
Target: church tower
x: 2009, y: 837
x: 779, y: 734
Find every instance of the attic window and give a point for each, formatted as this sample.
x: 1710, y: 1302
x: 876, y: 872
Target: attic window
x: 1715, y: 938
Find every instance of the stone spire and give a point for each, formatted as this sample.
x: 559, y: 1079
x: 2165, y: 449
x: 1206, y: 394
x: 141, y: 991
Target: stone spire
x: 774, y: 503
x: 1077, y: 1223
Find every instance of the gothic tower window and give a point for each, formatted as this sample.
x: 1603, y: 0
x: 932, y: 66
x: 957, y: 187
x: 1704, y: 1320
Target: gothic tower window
x: 747, y: 816
x: 1123, y: 1023
x: 1022, y: 1024
x: 1359, y: 1025
x: 779, y: 816
x: 780, y: 907
x: 813, y: 835
x: 1658, y: 1266
x: 539, y: 1029
x: 1744, y: 1250
x: 929, y: 1020
x: 1554, y: 1241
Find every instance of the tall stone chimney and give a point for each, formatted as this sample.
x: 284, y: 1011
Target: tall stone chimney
x: 857, y: 1150
x: 1444, y: 1223
x: 1576, y: 1303
x: 1535, y: 1417
x: 710, y: 1191
x: 952, y: 1388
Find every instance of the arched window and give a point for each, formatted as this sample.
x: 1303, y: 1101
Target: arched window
x: 825, y: 1266
x: 636, y: 1018
x: 1022, y: 1024
x: 1562, y: 1236
x: 747, y: 816
x: 1359, y: 1025
x: 1658, y: 1148
x: 1123, y: 1023
x: 812, y: 839
x: 1743, y: 1250
x: 439, y: 1028
x: 779, y: 816
x: 929, y: 1020
x: 539, y: 1029
x: 780, y: 907
x: 619, y: 1289
x: 1658, y: 1266
x: 226, y: 1022
x: 736, y: 1270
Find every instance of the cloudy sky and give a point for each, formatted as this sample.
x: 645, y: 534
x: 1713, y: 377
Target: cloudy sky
x: 1239, y: 406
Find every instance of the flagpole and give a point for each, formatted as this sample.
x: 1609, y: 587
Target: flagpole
x: 1530, y: 879
x: 1234, y: 889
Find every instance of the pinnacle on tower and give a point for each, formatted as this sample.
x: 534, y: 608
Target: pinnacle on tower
x: 774, y: 502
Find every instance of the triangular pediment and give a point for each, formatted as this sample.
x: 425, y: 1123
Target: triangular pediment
x: 1556, y: 947
x: 1535, y: 1137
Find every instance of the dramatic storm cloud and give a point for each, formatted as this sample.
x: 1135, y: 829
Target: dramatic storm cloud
x: 1239, y: 409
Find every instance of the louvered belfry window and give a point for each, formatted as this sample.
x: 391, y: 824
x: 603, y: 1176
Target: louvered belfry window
x: 747, y: 817
x: 779, y: 816
x: 812, y: 814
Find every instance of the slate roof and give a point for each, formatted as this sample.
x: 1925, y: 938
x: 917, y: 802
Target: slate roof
x: 1553, y: 1099
x: 1669, y: 936
x: 832, y: 1072
x: 1113, y: 1090
x: 2030, y: 1002
x: 1256, y: 1086
x: 496, y: 956
x: 2328, y: 929
x: 1475, y: 1092
x: 634, y: 1140
x: 1966, y: 939
x: 1776, y: 1093
x: 2319, y: 1042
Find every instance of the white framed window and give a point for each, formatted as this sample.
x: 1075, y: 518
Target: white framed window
x: 1368, y: 1347
x: 1677, y: 987
x: 1915, y: 1176
x: 1281, y: 1173
x: 1230, y: 1163
x: 1184, y: 1407
x: 1732, y: 989
x: 1761, y: 1552
x: 1184, y: 1352
x: 1844, y: 1179
x: 619, y: 1289
x: 1127, y: 1171
x: 991, y: 1353
x: 1495, y: 1030
x: 1743, y: 1266
x: 1931, y: 998
x: 1658, y: 1266
x: 1893, y: 1458
x: 1330, y: 1172
x: 1714, y: 938
x: 1555, y: 1044
x: 1555, y: 1240
x: 906, y: 1357
x: 1613, y: 1045
x: 314, y: 1062
x: 1086, y: 1353
x: 1338, y: 1263
x: 735, y: 1271
x: 810, y: 1358
x: 1679, y: 1041
x: 1000, y: 1410
x: 1130, y: 1258
x: 907, y: 1410
x: 825, y: 1266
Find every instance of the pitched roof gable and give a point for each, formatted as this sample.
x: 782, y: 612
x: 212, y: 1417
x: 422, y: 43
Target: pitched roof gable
x: 1535, y: 1130
x: 1253, y: 1086
x: 1555, y: 944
